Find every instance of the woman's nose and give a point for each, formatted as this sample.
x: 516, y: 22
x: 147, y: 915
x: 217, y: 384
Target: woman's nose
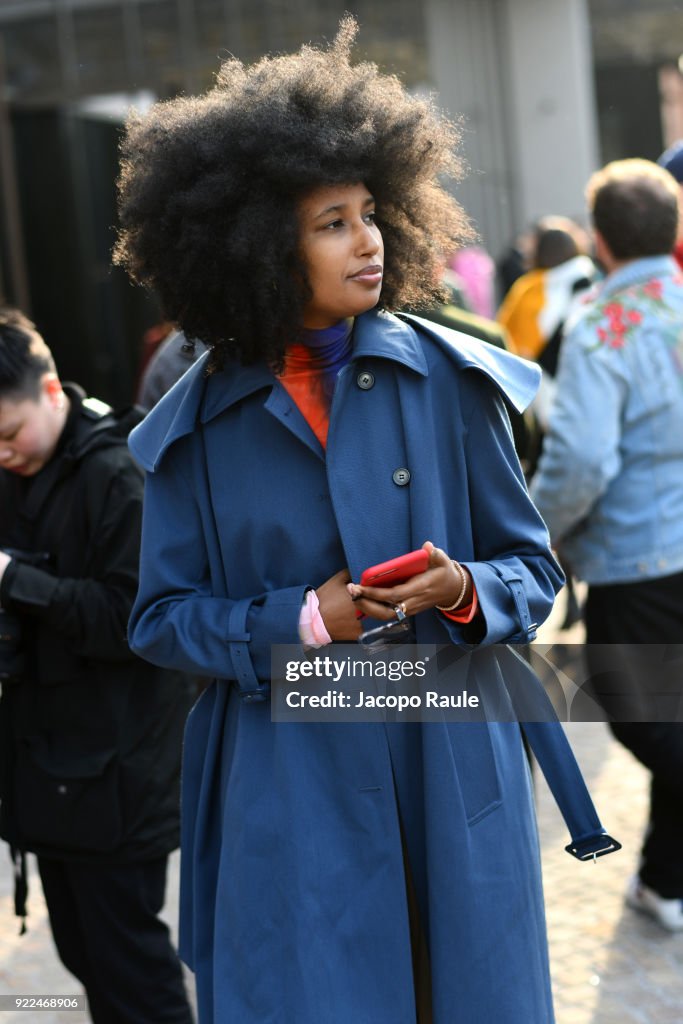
x: 369, y: 243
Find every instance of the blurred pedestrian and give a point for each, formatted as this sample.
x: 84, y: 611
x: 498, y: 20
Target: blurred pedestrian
x: 514, y: 261
x: 610, y: 487
x: 672, y: 161
x: 477, y: 271
x: 90, y: 735
x: 174, y: 356
x: 534, y: 313
x: 534, y: 310
x: 358, y: 871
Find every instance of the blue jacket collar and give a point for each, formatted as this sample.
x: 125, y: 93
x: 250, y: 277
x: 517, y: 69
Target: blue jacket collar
x: 637, y: 271
x: 196, y: 398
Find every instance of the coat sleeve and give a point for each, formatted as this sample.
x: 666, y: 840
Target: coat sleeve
x: 90, y: 613
x: 180, y: 619
x: 513, y: 569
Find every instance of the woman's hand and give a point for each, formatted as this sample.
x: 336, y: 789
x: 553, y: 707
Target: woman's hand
x: 440, y: 584
x: 337, y: 609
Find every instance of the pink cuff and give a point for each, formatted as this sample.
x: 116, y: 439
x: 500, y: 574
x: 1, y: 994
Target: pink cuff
x: 312, y: 631
x: 466, y: 614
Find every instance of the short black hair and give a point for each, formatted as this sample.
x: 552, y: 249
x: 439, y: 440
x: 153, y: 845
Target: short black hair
x: 209, y: 188
x: 558, y: 239
x: 24, y: 356
x: 634, y: 206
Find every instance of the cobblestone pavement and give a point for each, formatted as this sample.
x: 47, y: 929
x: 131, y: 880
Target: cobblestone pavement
x: 610, y: 965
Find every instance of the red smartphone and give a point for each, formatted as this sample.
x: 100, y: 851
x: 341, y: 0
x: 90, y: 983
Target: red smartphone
x: 396, y: 570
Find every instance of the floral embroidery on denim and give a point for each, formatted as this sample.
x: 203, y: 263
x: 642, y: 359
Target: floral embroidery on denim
x: 617, y: 318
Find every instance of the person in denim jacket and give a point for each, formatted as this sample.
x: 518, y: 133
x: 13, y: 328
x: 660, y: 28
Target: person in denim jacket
x: 610, y: 488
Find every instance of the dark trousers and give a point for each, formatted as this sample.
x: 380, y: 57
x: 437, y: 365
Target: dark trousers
x: 107, y: 932
x: 629, y: 615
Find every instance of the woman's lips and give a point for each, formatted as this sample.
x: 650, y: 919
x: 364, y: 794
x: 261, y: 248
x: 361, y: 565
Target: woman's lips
x: 368, y: 275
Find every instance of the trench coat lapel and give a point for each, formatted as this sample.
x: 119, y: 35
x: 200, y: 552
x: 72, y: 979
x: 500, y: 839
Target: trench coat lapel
x: 280, y: 405
x: 226, y: 390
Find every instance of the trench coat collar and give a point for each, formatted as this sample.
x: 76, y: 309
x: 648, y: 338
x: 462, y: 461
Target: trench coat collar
x: 395, y: 337
x: 517, y: 379
x: 196, y: 398
x: 382, y: 335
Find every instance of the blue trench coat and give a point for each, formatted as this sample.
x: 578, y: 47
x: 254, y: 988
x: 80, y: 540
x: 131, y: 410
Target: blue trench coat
x: 293, y: 905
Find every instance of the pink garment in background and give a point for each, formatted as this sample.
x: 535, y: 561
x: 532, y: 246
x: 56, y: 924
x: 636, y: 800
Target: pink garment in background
x: 477, y: 272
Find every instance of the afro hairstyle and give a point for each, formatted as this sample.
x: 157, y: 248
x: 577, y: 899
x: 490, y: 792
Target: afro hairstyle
x: 209, y: 187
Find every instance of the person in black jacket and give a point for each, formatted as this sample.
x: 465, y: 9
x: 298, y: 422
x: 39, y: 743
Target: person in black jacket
x: 90, y: 735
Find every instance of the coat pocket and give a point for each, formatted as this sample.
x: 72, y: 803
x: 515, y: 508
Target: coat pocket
x: 69, y: 800
x: 476, y: 768
x: 471, y: 746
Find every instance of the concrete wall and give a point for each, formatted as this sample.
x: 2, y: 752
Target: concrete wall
x: 464, y: 39
x: 552, y: 104
x: 520, y: 72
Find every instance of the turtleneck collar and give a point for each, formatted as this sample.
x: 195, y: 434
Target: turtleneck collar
x: 311, y: 370
x: 321, y: 353
x: 329, y: 345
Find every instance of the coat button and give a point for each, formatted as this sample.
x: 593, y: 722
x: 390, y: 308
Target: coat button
x: 365, y: 380
x: 401, y: 476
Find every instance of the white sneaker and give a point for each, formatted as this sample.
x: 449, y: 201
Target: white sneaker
x: 669, y: 913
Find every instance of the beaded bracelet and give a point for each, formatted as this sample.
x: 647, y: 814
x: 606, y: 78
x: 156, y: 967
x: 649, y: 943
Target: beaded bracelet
x: 463, y: 589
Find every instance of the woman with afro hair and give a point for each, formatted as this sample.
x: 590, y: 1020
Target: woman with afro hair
x: 348, y: 872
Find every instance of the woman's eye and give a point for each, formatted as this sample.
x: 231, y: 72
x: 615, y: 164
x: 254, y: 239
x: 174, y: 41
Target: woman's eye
x: 371, y: 217
x: 334, y: 224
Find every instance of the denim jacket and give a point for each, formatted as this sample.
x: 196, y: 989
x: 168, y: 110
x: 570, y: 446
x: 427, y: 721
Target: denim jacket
x: 610, y: 480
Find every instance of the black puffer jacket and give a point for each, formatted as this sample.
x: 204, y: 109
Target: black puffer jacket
x: 90, y: 735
